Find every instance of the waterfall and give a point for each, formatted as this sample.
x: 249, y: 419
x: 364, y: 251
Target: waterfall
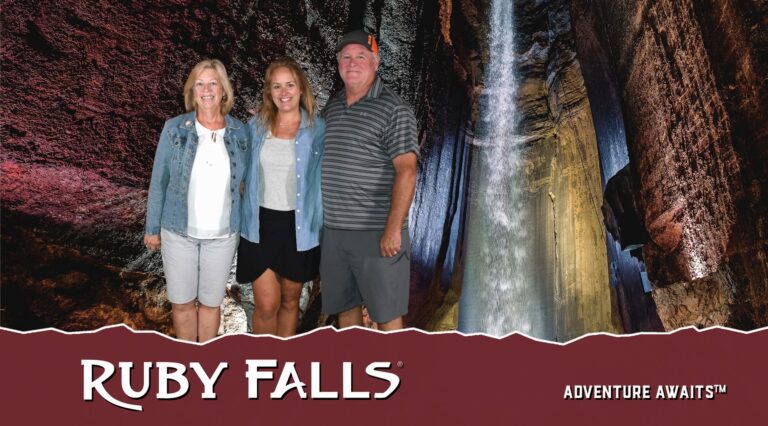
x: 500, y: 293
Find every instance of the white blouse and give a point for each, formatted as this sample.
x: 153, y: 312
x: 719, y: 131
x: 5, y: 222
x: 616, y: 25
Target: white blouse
x: 209, y: 200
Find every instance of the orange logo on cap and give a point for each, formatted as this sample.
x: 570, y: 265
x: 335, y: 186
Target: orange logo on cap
x: 372, y: 43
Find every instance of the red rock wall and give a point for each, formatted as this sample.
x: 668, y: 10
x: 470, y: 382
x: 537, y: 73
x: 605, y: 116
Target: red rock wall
x: 735, y: 34
x: 695, y: 111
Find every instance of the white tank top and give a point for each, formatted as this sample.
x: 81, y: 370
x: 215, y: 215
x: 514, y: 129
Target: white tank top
x: 277, y: 183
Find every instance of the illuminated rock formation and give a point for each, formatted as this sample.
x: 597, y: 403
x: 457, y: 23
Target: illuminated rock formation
x: 690, y: 78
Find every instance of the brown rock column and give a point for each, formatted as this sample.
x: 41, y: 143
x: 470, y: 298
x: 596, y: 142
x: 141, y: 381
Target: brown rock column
x: 695, y: 116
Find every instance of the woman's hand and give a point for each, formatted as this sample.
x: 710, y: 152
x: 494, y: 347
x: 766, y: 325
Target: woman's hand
x: 152, y: 241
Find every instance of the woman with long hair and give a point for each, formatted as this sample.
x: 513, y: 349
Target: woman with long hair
x: 282, y: 207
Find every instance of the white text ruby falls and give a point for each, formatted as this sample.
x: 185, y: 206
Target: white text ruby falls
x: 265, y: 374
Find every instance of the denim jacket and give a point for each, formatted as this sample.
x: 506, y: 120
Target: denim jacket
x: 175, y: 155
x: 309, y: 202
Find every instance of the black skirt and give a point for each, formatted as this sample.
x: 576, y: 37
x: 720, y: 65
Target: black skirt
x: 276, y: 250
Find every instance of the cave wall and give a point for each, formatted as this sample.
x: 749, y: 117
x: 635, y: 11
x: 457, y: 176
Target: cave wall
x: 624, y: 223
x: 562, y: 174
x: 439, y: 202
x: 585, y: 302
x: 690, y: 76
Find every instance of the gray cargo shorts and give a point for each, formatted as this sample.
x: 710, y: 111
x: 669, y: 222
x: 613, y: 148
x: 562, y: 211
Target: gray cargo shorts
x: 353, y: 272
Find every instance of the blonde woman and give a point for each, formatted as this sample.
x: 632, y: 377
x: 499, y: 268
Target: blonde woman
x: 282, y: 208
x: 193, y: 205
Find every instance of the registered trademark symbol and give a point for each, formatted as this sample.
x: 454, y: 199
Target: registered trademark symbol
x: 400, y: 364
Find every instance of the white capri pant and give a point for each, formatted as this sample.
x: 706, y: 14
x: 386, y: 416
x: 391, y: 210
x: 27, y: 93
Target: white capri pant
x: 196, y: 268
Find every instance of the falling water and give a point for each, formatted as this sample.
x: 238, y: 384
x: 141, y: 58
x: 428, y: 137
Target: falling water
x: 499, y: 293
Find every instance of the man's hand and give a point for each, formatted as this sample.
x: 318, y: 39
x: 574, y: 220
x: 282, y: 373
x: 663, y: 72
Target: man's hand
x: 390, y: 242
x: 152, y: 242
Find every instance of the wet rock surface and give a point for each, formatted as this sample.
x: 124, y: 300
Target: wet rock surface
x: 622, y: 218
x: 695, y: 110
x: 53, y: 284
x: 563, y: 169
x: 702, y: 303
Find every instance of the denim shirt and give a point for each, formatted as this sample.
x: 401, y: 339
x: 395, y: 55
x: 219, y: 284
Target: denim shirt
x: 309, y: 202
x: 175, y: 155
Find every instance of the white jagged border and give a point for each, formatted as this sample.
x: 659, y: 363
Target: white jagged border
x: 406, y: 330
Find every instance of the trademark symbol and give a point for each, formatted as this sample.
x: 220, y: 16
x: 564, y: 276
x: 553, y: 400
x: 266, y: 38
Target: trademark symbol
x: 400, y: 364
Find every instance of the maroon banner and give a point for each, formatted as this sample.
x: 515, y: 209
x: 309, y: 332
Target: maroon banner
x: 715, y: 376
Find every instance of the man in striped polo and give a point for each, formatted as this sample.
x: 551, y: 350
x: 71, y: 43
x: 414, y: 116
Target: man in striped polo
x: 368, y: 181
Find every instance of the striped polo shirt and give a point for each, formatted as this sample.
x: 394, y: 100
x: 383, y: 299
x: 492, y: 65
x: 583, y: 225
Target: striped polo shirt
x: 361, y: 140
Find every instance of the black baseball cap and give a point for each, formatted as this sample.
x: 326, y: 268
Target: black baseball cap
x: 358, y: 37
